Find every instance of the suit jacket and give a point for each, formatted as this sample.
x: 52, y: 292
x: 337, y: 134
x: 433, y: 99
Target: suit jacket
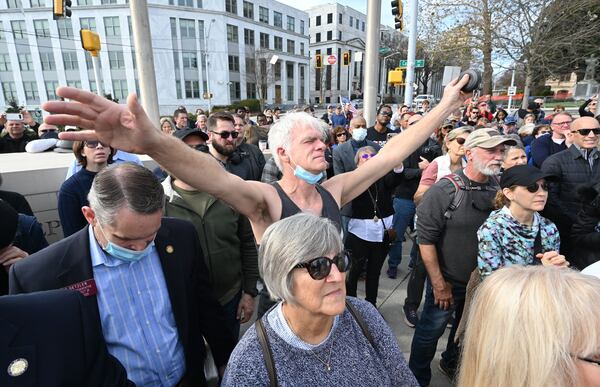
x: 197, y: 312
x: 56, y: 335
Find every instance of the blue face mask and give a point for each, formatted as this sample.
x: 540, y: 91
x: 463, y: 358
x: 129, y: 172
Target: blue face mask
x: 122, y: 253
x: 308, y: 177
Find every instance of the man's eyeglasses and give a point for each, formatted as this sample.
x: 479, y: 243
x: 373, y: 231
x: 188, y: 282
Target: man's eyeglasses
x: 367, y: 155
x: 320, y: 267
x: 94, y: 144
x: 533, y: 188
x: 389, y: 114
x: 225, y: 134
x: 564, y: 123
x: 585, y: 132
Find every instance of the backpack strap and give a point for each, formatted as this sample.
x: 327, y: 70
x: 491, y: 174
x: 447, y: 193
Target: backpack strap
x: 459, y: 193
x: 261, y: 333
x: 361, y: 322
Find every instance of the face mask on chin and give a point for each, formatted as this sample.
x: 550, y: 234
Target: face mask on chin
x: 123, y: 253
x: 307, y: 176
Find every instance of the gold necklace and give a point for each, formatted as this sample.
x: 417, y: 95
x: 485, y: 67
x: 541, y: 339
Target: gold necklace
x: 327, y: 363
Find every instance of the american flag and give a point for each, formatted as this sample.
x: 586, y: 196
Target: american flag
x: 352, y: 108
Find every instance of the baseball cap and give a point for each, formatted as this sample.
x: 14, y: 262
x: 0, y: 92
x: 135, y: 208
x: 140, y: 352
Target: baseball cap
x: 183, y: 133
x: 487, y: 138
x: 510, y: 120
x: 523, y: 175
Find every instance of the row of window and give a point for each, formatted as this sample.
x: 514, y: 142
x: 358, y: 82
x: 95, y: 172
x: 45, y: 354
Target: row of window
x: 120, y: 90
x: 116, y: 61
x: 43, y: 3
x: 329, y: 36
x: 112, y: 27
x: 263, y: 15
x: 232, y: 36
x: 352, y: 22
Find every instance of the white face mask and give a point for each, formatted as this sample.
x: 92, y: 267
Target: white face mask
x: 359, y: 134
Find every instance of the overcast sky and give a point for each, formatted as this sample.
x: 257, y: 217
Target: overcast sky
x: 359, y: 5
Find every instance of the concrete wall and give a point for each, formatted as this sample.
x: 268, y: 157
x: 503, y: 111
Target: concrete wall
x: 39, y: 176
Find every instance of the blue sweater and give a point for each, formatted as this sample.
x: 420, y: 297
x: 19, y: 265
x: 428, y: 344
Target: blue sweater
x: 71, y: 197
x: 542, y: 147
x: 354, y: 362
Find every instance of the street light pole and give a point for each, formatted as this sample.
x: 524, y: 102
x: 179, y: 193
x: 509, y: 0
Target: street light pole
x: 512, y: 84
x: 412, y: 52
x: 372, y: 56
x: 206, y: 65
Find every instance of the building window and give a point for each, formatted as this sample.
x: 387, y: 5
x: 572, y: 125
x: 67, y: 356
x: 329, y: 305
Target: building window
x: 187, y: 3
x: 234, y: 63
x: 18, y: 29
x: 290, y: 92
x: 317, y: 37
x: 357, y: 21
x: 234, y: 90
x: 94, y: 89
x: 76, y: 84
x: 192, y: 89
x: 88, y: 61
x: 278, y: 43
x: 47, y: 59
x: 318, y: 21
x: 25, y: 62
x: 42, y: 29
x: 88, y: 23
x: 232, y: 33
x: 340, y: 19
x: 277, y: 19
x: 301, y: 48
x: 187, y: 28
x: 277, y: 71
x: 65, y: 28
x: 116, y: 60
x: 84, y: 2
x: 263, y: 15
x: 31, y: 92
x: 291, y: 23
x: 1, y: 31
x: 14, y: 4
x: 264, y: 40
x: 5, y: 62
x: 51, y: 90
x: 133, y: 60
x: 120, y: 90
x: 250, y: 65
x: 231, y: 7
x: 108, y: 2
x: 10, y: 91
x: 329, y: 18
x: 249, y: 37
x: 291, y: 47
x: 250, y: 90
x: 302, y: 27
x: 190, y: 60
x: 363, y: 26
x: 351, y: 21
x: 178, y: 89
x: 70, y: 60
x: 248, y: 10
x: 329, y: 35
x: 112, y: 26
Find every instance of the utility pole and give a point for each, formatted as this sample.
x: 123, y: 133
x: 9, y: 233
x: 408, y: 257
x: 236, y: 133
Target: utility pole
x: 372, y: 57
x: 413, y: 6
x: 144, y: 57
x: 512, y: 84
x: 207, y: 92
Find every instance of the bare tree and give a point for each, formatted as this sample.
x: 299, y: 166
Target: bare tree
x: 260, y: 72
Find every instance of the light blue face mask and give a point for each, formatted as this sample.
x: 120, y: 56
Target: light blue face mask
x: 123, y: 253
x: 308, y: 177
x: 359, y: 134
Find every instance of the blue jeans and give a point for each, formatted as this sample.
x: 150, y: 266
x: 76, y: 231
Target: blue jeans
x: 430, y: 328
x: 404, y: 214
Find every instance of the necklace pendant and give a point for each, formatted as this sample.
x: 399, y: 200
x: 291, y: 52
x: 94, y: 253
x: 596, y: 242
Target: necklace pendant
x: 375, y: 219
x: 328, y: 367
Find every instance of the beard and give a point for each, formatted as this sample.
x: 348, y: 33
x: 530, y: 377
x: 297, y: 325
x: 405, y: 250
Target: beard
x: 487, y: 170
x: 225, y: 151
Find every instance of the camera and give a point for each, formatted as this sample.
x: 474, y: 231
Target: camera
x: 475, y: 79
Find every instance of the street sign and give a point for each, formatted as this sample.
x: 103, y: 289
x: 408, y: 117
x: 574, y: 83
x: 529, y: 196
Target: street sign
x: 512, y: 91
x: 384, y: 50
x: 418, y: 63
x: 358, y: 56
x: 331, y: 59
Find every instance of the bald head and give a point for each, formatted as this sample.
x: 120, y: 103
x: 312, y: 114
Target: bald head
x: 357, y: 122
x: 586, y: 131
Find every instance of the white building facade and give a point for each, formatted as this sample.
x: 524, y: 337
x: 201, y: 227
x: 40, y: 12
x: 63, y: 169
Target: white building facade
x: 236, y: 39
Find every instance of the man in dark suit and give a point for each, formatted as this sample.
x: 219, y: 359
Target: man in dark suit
x: 52, y: 339
x: 145, y: 277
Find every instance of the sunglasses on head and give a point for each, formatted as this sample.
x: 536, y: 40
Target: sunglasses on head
x: 367, y: 155
x: 94, y: 144
x: 585, y: 132
x: 319, y: 268
x: 533, y: 188
x: 340, y: 134
x: 460, y: 140
x: 225, y: 134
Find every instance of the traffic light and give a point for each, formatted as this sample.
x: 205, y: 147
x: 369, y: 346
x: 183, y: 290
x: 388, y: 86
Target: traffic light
x: 90, y: 41
x: 61, y: 8
x: 397, y: 11
x: 396, y: 76
x: 318, y: 61
x: 346, y: 59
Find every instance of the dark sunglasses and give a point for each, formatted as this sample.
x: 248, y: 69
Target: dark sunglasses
x: 460, y: 140
x: 389, y: 114
x: 533, y: 188
x: 340, y: 134
x: 225, y: 134
x: 367, y: 155
x: 94, y: 144
x: 320, y: 267
x: 585, y: 132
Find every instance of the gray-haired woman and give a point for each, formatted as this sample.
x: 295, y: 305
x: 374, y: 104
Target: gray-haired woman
x: 315, y: 335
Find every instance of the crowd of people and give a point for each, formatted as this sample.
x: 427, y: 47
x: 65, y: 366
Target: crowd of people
x: 500, y: 208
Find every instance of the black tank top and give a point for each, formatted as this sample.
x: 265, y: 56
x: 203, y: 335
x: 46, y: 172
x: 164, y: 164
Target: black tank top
x: 330, y: 209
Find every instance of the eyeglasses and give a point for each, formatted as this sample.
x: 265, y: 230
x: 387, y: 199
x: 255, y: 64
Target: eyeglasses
x: 367, y: 155
x: 225, y: 134
x: 320, y: 267
x: 389, y: 114
x: 585, y: 132
x: 94, y: 144
x: 535, y: 187
x: 340, y: 134
x: 589, y: 360
x: 564, y: 123
x: 460, y: 140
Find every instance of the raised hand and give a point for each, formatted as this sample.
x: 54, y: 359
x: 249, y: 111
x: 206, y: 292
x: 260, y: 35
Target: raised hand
x: 124, y: 127
x: 453, y: 95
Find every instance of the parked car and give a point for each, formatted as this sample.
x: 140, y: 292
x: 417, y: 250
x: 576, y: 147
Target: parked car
x: 418, y: 100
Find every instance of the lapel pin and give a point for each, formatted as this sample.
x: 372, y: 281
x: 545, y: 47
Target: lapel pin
x: 18, y: 367
x: 169, y: 249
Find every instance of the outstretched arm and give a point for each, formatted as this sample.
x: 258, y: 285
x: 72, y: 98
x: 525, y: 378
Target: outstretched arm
x: 347, y: 186
x: 127, y: 127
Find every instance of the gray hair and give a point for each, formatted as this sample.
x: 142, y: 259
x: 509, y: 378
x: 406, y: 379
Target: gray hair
x: 291, y: 241
x: 280, y: 134
x: 125, y: 185
x: 362, y: 150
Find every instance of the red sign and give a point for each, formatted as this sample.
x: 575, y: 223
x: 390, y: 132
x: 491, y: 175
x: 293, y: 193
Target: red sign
x: 331, y: 59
